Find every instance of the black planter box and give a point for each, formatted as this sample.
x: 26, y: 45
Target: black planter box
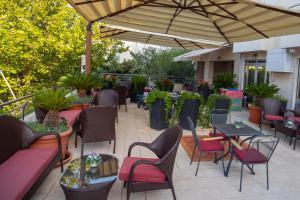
x: 158, y: 116
x: 204, y: 91
x: 222, y: 104
x: 40, y: 114
x: 190, y: 109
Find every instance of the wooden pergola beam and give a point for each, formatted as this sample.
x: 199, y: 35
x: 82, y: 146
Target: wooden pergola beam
x: 88, y: 48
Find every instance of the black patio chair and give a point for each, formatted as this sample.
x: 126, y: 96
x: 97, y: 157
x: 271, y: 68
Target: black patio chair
x: 219, y: 116
x: 259, y: 151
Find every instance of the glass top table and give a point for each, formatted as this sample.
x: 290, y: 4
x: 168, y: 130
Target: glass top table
x: 230, y: 131
x: 80, y: 181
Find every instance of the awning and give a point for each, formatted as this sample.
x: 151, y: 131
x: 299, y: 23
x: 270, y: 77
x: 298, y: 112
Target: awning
x: 132, y: 35
x: 190, y: 55
x: 224, y: 21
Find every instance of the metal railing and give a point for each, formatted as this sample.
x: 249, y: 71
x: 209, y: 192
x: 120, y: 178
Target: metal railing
x: 127, y: 77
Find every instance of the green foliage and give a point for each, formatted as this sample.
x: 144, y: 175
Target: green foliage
x: 53, y: 100
x: 109, y: 80
x: 213, y: 98
x: 41, y: 128
x: 153, y: 61
x: 180, y: 102
x: 204, y: 116
x: 138, y: 84
x: 281, y: 98
x: 261, y: 91
x: 224, y: 80
x: 155, y: 95
x: 42, y: 40
x: 79, y: 81
x: 165, y: 85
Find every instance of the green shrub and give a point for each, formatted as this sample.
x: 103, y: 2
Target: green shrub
x: 79, y: 81
x: 165, y: 85
x: 155, y: 95
x: 224, y: 80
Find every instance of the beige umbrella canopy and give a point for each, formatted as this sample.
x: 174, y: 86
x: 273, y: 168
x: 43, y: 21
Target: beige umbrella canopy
x: 225, y: 21
x: 132, y: 35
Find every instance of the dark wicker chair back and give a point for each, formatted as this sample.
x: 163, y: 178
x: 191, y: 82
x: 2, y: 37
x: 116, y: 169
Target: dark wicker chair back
x: 15, y: 135
x: 122, y: 94
x: 297, y: 110
x: 107, y: 98
x: 97, y: 124
x: 219, y: 116
x: 272, y: 107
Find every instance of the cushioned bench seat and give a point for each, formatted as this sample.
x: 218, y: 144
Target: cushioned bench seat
x: 22, y: 170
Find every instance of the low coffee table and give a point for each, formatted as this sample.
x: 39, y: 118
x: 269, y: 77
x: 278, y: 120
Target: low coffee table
x: 80, y: 182
x: 290, y: 130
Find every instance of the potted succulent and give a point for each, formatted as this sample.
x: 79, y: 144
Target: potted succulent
x: 259, y: 92
x: 165, y: 85
x: 224, y: 80
x: 159, y: 104
x: 52, y: 101
x: 81, y: 82
x: 187, y: 105
x: 138, y: 83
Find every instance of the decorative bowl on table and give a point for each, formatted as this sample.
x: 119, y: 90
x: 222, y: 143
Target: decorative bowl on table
x: 289, y: 124
x: 239, y: 124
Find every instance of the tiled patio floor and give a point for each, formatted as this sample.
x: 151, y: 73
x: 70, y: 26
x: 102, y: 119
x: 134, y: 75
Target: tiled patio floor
x: 210, y: 184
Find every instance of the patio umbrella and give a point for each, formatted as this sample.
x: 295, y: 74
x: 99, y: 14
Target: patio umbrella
x: 224, y: 21
x: 133, y: 35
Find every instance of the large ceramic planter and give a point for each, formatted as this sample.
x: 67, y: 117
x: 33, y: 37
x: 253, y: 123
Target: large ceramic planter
x: 51, y: 141
x: 81, y: 93
x: 190, y: 109
x: 254, y: 114
x: 158, y: 116
x: 79, y: 106
x: 204, y: 91
x: 40, y: 114
x: 222, y: 104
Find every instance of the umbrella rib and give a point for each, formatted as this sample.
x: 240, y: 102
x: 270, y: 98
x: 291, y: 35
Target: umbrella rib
x: 148, y: 38
x: 114, y: 34
x: 174, y: 15
x: 179, y: 43
x: 158, y: 4
x: 88, y: 2
x: 221, y: 32
x: 237, y: 19
x: 196, y: 45
x: 125, y: 10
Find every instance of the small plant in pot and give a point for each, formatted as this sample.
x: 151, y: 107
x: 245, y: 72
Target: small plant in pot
x: 224, y: 80
x: 259, y: 92
x: 165, y: 85
x: 138, y: 83
x: 81, y: 82
x: 53, y: 101
x: 160, y: 104
x: 187, y: 105
x: 203, y: 89
x: 109, y: 81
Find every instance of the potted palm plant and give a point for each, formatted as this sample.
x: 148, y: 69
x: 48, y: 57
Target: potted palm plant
x: 259, y: 92
x: 224, y: 80
x: 81, y: 82
x: 52, y: 101
x: 159, y: 104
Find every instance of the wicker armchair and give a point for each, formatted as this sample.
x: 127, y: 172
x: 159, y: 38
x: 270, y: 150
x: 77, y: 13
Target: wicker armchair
x: 122, y: 93
x: 146, y: 174
x: 97, y: 124
x: 107, y: 98
x: 271, y: 110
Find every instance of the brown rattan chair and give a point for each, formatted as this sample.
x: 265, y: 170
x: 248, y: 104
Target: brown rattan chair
x: 146, y: 174
x: 271, y: 110
x: 122, y: 93
x: 107, y: 98
x: 97, y: 124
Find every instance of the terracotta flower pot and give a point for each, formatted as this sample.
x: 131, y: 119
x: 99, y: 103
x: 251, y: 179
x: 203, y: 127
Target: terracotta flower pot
x: 81, y: 93
x: 50, y: 141
x: 254, y: 114
x: 79, y: 107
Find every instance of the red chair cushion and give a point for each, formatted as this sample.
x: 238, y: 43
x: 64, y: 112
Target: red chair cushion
x: 211, y: 145
x: 70, y: 115
x: 218, y: 134
x: 274, y: 117
x: 143, y: 172
x: 296, y: 119
x: 22, y: 170
x: 250, y: 156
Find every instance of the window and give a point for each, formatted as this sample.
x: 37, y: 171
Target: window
x: 255, y: 72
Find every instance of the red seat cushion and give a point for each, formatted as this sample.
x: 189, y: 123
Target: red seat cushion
x: 274, y: 117
x: 250, y: 156
x: 21, y: 171
x: 143, y: 172
x: 211, y: 145
x: 70, y: 116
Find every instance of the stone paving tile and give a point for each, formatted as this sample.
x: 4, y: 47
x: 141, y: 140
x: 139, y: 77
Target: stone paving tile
x: 210, y: 184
